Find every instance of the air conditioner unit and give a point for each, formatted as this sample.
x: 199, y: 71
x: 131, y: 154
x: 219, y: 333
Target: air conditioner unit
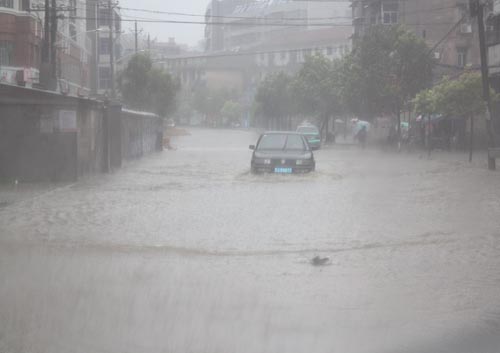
x: 466, y: 28
x: 437, y: 55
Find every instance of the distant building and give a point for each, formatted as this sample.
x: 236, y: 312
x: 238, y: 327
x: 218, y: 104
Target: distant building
x: 98, y: 27
x: 74, y: 51
x: 215, y: 15
x: 431, y: 20
x: 20, y: 43
x: 247, y: 40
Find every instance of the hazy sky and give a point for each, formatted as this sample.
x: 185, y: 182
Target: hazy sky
x: 183, y: 33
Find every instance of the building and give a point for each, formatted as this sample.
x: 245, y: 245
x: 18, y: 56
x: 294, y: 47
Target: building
x: 73, y: 51
x: 247, y: 40
x: 20, y: 44
x: 215, y: 15
x: 255, y: 24
x: 99, y: 24
x: 445, y: 25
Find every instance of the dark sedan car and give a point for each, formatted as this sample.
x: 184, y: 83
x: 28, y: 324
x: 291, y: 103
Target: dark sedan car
x: 283, y: 153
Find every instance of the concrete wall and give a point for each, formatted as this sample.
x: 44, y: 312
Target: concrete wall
x: 50, y: 137
x: 33, y: 147
x: 141, y: 134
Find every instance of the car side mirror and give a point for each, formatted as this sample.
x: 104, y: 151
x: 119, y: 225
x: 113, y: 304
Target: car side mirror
x: 252, y: 147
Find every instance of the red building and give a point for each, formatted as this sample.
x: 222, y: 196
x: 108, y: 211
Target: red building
x: 20, y: 43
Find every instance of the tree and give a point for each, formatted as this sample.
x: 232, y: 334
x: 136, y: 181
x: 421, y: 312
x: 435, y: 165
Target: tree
x: 133, y: 82
x: 209, y: 102
x: 231, y: 111
x: 162, y: 92
x: 147, y: 88
x: 461, y: 98
x: 386, y: 69
x: 273, y: 98
x: 316, y: 89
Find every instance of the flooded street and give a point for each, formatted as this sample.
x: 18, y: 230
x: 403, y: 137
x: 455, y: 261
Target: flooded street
x: 186, y: 251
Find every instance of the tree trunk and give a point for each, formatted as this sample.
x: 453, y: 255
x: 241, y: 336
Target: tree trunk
x: 429, y: 136
x: 327, y: 123
x: 399, y: 127
x: 471, y: 143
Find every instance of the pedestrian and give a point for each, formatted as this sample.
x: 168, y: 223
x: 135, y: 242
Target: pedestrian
x: 361, y: 136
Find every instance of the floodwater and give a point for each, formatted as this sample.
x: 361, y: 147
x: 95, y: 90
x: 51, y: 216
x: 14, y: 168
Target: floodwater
x: 186, y: 251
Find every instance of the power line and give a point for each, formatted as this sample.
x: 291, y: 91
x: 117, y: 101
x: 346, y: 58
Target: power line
x: 143, y: 20
x: 67, y: 9
x: 455, y: 26
x: 231, y: 17
x: 275, y: 24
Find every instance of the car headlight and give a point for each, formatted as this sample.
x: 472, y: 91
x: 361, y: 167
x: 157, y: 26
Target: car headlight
x: 302, y: 161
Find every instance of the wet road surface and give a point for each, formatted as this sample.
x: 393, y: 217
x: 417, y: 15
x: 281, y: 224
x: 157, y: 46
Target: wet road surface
x: 186, y: 251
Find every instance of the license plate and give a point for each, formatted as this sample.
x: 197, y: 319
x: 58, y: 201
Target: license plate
x: 283, y: 170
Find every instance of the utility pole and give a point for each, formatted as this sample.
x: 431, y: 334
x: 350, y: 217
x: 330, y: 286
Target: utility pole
x: 53, y: 39
x: 136, y: 38
x: 149, y: 44
x: 477, y: 10
x: 111, y: 49
x: 46, y: 34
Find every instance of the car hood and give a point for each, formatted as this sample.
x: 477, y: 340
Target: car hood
x: 283, y: 154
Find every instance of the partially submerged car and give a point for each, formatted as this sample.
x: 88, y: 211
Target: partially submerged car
x: 312, y: 135
x: 283, y: 153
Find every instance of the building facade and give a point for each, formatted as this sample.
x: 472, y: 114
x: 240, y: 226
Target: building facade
x: 445, y: 25
x: 20, y: 44
x: 99, y: 24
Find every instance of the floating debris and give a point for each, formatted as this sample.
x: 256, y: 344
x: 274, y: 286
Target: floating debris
x: 320, y: 261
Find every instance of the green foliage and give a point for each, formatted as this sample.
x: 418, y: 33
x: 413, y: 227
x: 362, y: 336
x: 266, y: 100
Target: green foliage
x: 316, y: 88
x: 274, y: 95
x: 209, y: 101
x: 162, y: 92
x: 231, y: 111
x: 459, y: 98
x: 383, y: 73
x: 386, y: 68
x: 133, y: 82
x: 146, y: 88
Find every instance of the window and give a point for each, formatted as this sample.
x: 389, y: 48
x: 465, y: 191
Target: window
x: 390, y: 13
x: 104, y: 46
x: 72, y: 31
x: 6, y: 53
x: 7, y: 3
x: 72, y: 9
x: 104, y: 78
x: 103, y: 18
x: 462, y: 57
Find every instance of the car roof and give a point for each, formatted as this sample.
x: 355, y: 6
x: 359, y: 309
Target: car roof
x: 307, y: 125
x: 281, y: 133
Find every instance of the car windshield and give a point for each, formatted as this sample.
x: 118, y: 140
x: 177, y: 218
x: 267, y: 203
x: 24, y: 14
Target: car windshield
x: 281, y: 142
x: 307, y: 130
x: 294, y: 142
